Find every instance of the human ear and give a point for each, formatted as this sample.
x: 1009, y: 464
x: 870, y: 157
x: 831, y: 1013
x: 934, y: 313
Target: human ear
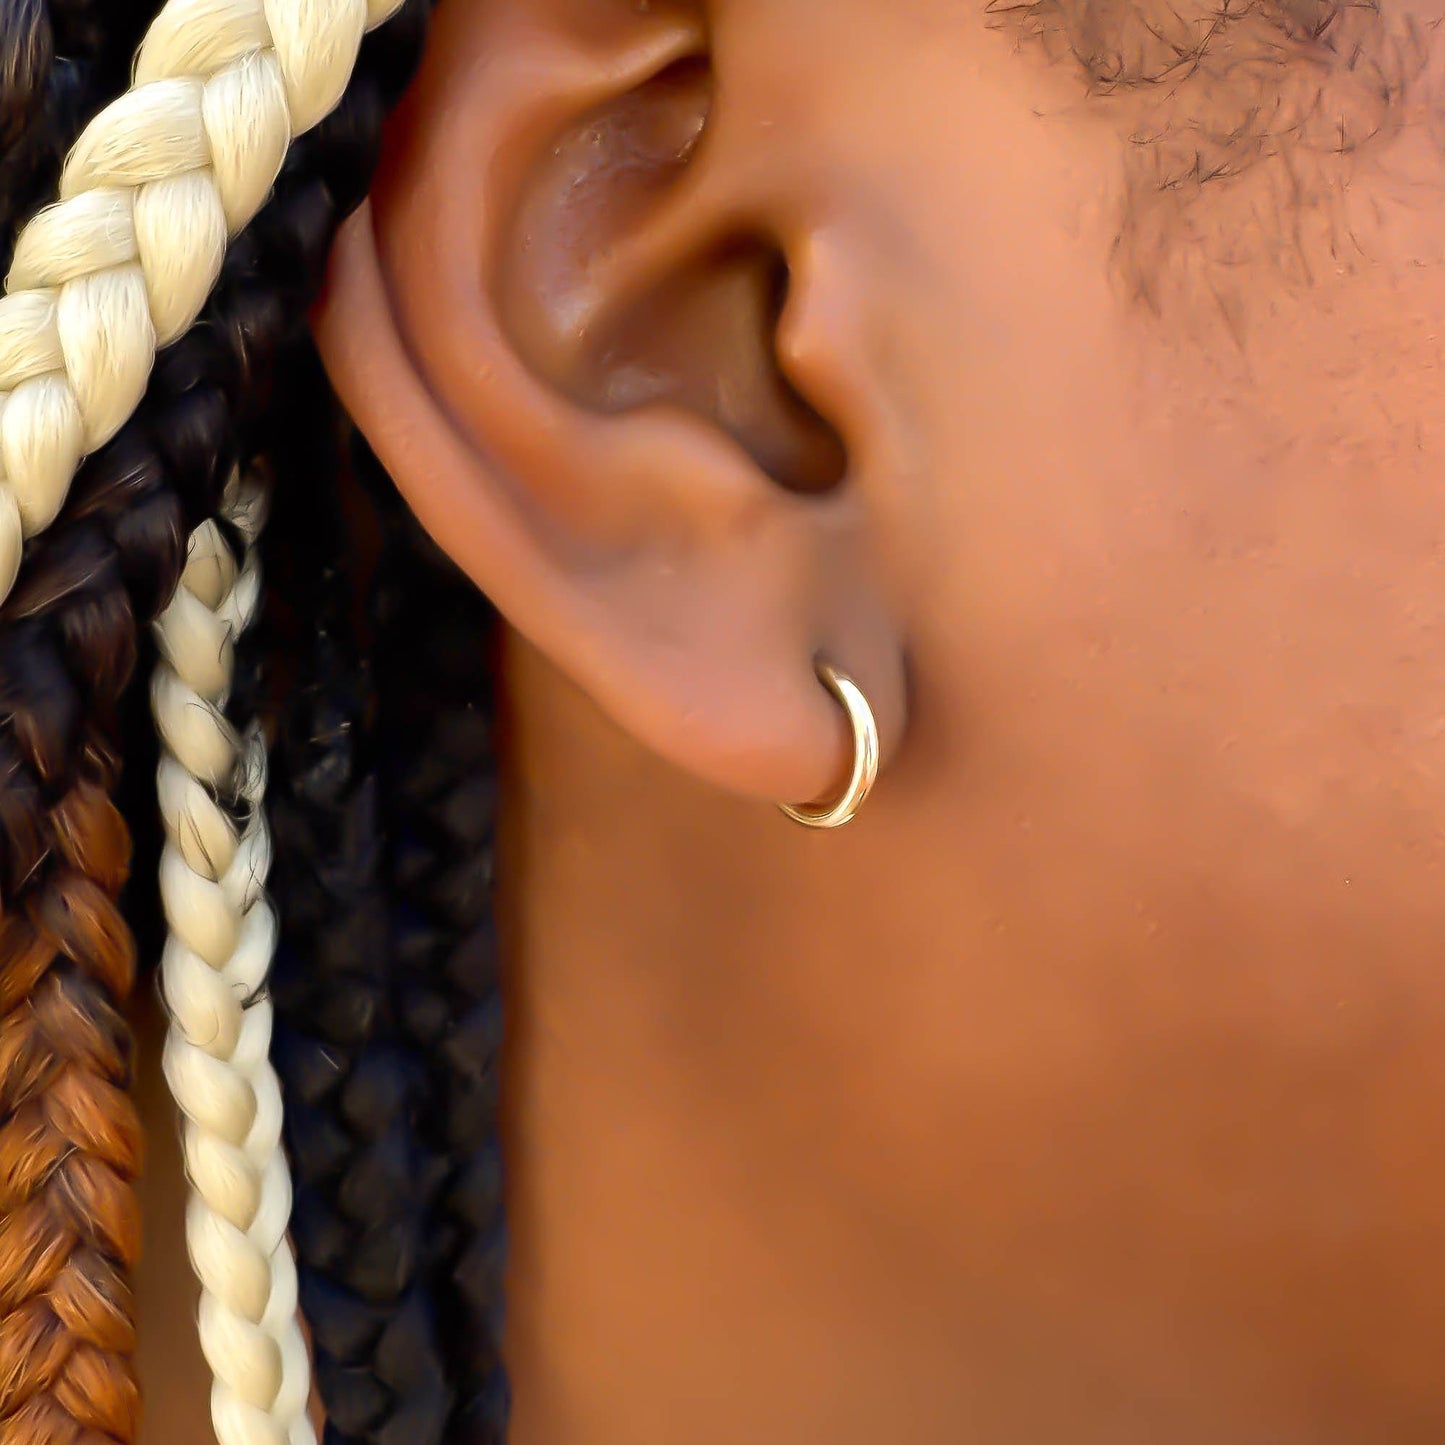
x: 586, y: 326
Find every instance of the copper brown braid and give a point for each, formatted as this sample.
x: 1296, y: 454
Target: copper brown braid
x: 70, y: 1141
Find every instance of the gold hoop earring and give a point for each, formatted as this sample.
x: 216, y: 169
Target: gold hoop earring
x: 865, y: 755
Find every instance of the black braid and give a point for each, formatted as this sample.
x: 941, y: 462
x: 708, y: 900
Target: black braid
x: 355, y: 1092
x: 437, y: 724
x: 388, y: 1016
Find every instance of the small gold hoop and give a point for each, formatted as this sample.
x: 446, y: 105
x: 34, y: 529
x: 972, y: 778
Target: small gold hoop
x: 865, y: 755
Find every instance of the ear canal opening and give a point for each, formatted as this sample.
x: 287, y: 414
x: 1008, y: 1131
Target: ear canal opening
x: 697, y: 326
x: 689, y: 75
x: 705, y: 339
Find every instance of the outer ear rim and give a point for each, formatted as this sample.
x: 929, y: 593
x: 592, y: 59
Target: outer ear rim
x: 370, y: 362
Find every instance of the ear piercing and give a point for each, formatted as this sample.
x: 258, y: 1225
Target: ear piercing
x: 865, y: 755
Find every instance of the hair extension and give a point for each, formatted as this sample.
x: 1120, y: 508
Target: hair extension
x: 437, y: 727
x: 356, y: 1093
x: 68, y: 1141
x: 387, y: 1002
x: 216, y: 960
x: 125, y: 260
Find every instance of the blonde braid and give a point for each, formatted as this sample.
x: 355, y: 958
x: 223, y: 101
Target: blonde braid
x: 152, y: 190
x: 214, y: 970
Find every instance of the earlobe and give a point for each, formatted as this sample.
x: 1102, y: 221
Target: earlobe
x: 643, y: 540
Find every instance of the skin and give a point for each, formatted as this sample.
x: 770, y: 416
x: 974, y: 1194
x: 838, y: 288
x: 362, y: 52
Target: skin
x: 1090, y: 1085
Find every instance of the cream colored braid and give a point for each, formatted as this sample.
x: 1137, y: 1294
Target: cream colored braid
x: 154, y: 187
x: 214, y: 969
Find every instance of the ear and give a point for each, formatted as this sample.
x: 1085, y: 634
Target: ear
x: 594, y: 346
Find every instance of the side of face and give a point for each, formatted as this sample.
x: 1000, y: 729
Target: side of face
x: 1085, y: 371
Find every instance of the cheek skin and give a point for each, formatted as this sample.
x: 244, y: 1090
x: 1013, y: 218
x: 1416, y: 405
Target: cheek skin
x: 1138, y: 550
x: 1169, y: 883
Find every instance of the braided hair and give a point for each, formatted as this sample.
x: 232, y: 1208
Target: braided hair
x: 437, y: 721
x: 68, y: 1136
x: 364, y: 1182
x: 383, y: 801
